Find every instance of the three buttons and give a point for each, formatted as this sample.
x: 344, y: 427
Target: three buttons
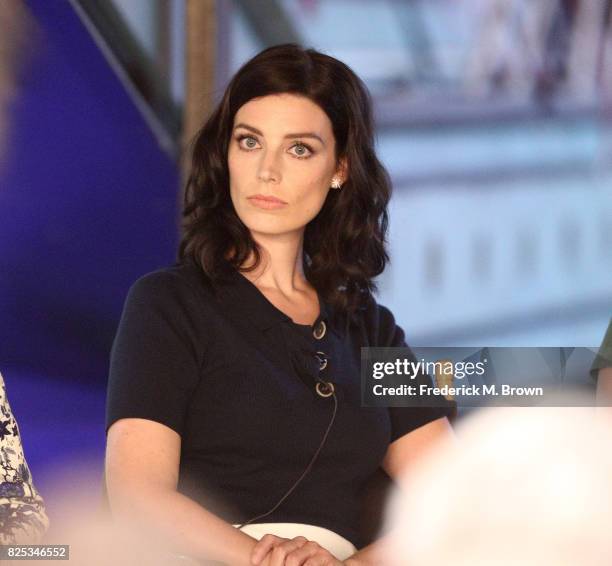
x: 319, y: 330
x: 324, y: 388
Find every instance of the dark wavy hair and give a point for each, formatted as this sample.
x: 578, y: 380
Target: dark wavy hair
x: 345, y: 244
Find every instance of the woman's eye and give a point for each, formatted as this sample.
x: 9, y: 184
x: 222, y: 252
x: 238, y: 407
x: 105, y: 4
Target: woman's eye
x: 249, y: 142
x: 301, y: 150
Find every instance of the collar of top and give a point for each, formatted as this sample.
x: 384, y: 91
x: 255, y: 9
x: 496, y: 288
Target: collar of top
x: 242, y: 293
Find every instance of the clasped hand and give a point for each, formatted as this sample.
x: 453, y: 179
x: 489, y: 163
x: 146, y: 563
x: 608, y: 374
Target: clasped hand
x: 299, y: 551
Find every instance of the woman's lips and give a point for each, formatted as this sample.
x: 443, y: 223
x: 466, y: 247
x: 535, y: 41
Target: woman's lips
x: 268, y: 203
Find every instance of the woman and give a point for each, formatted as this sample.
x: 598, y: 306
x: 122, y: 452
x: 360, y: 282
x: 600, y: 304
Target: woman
x: 22, y: 511
x: 234, y: 392
x: 23, y: 519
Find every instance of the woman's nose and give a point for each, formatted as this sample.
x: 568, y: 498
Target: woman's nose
x: 269, y: 167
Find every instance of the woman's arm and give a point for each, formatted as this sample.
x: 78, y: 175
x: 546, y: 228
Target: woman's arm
x: 602, y: 370
x: 604, y: 387
x: 22, y: 511
x: 142, y: 463
x: 402, y: 453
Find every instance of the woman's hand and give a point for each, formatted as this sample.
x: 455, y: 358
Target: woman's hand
x: 274, y: 549
x: 277, y: 551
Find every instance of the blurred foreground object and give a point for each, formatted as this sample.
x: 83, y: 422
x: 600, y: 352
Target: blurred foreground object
x: 82, y: 521
x: 14, y: 26
x: 527, y: 486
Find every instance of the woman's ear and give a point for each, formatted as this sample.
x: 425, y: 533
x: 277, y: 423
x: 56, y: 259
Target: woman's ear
x: 342, y: 170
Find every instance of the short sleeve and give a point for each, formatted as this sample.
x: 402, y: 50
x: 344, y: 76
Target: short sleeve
x: 604, y: 356
x: 407, y: 419
x: 157, y: 352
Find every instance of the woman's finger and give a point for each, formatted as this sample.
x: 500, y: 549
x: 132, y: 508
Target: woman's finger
x: 263, y: 546
x: 280, y: 552
x: 299, y: 556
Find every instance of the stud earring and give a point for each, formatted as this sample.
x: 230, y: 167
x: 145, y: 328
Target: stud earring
x: 335, y: 184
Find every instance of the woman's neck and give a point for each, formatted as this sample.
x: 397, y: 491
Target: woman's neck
x: 281, y: 266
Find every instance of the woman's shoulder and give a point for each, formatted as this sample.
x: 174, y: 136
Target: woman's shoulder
x: 379, y: 322
x: 180, y: 280
x: 161, y: 305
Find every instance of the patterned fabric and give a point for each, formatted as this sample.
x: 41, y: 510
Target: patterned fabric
x: 22, y: 510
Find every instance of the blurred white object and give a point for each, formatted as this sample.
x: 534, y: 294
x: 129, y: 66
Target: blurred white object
x: 529, y: 486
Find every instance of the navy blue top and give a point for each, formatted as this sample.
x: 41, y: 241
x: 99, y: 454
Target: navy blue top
x: 234, y: 377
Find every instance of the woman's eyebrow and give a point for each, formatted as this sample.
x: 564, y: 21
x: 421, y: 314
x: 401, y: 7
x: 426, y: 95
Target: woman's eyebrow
x: 296, y: 135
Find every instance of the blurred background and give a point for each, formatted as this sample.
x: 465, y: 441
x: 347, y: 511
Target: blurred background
x: 494, y: 119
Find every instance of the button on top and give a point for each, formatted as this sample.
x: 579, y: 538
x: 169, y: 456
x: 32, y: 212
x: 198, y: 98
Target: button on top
x: 319, y: 330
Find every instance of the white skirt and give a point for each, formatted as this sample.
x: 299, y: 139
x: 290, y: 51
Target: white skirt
x: 331, y: 541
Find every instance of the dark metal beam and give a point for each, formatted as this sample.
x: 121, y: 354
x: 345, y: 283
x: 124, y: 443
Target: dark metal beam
x: 134, y: 67
x: 269, y: 21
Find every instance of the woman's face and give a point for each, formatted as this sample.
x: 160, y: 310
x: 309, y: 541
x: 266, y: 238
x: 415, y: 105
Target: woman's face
x: 282, y: 146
